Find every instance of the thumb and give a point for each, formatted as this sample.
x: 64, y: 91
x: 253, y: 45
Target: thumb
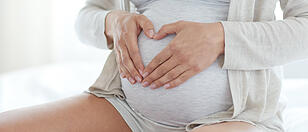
x: 146, y: 25
x: 165, y: 30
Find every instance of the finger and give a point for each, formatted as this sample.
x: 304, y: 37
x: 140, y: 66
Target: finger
x: 165, y: 30
x: 171, y: 75
x: 127, y: 62
x: 123, y: 72
x: 120, y: 48
x: 164, y: 55
x: 146, y: 25
x: 180, y: 79
x: 134, y: 53
x: 159, y: 72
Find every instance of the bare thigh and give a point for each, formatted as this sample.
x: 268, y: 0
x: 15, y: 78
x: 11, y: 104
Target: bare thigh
x: 228, y: 127
x: 82, y: 113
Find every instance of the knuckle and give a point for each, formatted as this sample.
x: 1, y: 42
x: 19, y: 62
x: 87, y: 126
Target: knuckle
x: 196, y: 68
x: 174, y: 49
x: 184, y: 58
x: 181, y: 56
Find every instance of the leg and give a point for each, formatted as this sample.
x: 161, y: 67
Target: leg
x: 82, y: 113
x: 228, y: 127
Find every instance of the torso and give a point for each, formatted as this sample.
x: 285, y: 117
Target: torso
x: 203, y: 94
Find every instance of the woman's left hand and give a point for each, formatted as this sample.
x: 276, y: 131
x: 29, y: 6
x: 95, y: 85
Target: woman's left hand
x: 195, y: 47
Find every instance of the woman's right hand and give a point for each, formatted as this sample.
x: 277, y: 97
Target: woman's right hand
x: 123, y: 28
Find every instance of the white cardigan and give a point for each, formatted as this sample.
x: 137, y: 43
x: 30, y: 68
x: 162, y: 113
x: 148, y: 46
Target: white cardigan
x: 255, y: 48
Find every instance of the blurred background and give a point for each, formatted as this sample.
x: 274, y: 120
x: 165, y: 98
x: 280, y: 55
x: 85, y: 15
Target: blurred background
x: 42, y: 60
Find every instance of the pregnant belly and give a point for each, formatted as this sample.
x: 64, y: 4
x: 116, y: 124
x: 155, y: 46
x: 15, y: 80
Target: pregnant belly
x: 203, y: 94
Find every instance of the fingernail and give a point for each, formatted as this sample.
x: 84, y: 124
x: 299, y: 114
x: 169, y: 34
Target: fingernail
x: 167, y: 85
x: 152, y: 86
x: 145, y: 74
x: 131, y: 80
x: 138, y: 79
x: 151, y: 33
x: 144, y: 84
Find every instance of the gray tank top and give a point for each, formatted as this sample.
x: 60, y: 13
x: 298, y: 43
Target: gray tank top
x: 203, y: 94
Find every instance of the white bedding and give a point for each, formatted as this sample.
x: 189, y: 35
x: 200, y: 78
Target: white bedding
x: 46, y: 83
x: 52, y: 82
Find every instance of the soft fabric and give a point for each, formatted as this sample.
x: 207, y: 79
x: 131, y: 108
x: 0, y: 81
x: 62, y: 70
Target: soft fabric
x: 138, y: 122
x: 255, y: 47
x: 206, y: 93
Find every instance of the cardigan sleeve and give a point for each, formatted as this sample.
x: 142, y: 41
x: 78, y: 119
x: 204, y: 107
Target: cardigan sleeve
x: 90, y: 23
x: 262, y: 45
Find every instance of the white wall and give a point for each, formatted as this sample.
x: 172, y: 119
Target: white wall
x: 38, y: 32
x: 24, y: 32
x: 66, y: 46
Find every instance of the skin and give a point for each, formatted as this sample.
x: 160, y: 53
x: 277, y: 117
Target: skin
x: 81, y: 113
x: 180, y: 60
x: 85, y: 112
x: 123, y: 28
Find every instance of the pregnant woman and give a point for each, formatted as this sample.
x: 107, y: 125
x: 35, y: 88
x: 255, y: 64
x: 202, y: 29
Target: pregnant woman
x: 180, y: 65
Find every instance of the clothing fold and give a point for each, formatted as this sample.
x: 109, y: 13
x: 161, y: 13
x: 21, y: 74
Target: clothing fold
x: 256, y: 45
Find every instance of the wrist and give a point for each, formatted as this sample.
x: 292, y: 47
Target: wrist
x: 108, y: 25
x: 110, y: 22
x: 108, y: 28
